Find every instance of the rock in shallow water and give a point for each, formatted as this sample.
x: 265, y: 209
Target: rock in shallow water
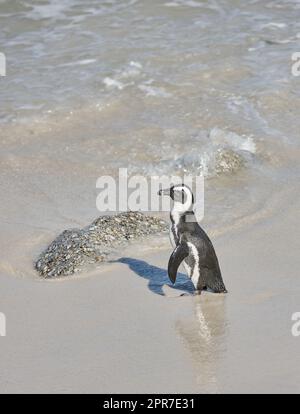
x: 73, y: 249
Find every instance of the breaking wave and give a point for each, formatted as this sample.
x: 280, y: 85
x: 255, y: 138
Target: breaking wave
x: 224, y: 152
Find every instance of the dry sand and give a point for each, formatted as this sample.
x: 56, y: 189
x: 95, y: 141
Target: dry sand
x: 121, y: 330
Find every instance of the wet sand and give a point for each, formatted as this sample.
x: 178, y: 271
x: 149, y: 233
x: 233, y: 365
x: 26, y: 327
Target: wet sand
x: 120, y: 329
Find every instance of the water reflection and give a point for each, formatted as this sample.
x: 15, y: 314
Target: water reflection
x: 204, y: 335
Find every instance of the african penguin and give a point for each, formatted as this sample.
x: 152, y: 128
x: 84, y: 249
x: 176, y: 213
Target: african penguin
x: 192, y: 245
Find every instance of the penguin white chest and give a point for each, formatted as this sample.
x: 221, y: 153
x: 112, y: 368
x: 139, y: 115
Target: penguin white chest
x: 194, y: 273
x: 174, y: 233
x: 172, y: 238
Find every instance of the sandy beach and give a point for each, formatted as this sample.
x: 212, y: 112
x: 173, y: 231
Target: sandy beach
x: 117, y: 331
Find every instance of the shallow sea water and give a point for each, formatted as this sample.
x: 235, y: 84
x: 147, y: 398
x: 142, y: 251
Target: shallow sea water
x: 160, y: 87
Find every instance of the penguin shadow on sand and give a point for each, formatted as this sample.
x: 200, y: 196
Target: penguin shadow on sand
x: 158, y: 278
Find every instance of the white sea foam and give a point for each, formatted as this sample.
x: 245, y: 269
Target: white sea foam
x: 66, y: 9
x: 55, y: 9
x: 86, y: 61
x: 221, y: 138
x: 132, y: 70
x: 155, y: 91
x: 274, y: 25
x: 136, y: 64
x: 113, y: 83
x: 223, y: 152
x: 81, y: 62
x: 187, y: 3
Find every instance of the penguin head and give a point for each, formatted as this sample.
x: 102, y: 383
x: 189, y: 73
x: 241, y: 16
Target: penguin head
x: 182, y: 196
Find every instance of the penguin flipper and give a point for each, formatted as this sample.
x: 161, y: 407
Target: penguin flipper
x: 179, y: 254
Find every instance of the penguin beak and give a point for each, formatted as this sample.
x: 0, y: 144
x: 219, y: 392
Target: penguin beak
x: 165, y: 191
